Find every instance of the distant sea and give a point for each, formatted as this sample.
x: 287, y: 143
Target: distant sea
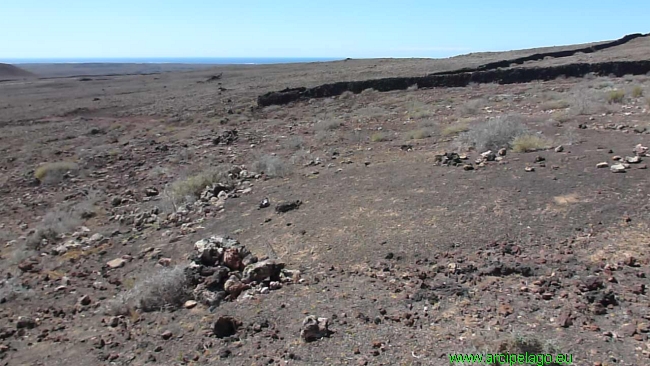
x: 172, y: 60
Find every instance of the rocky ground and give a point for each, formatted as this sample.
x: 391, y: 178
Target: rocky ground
x: 165, y: 220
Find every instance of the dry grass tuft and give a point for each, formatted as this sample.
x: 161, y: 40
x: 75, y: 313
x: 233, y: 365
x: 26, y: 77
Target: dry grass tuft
x: 419, y: 110
x: 55, y: 172
x: 379, y: 137
x: 420, y: 133
x: 555, y: 104
x: 615, y: 96
x: 191, y: 187
x: 637, y: 92
x: 455, y: 129
x: 528, y: 143
x: 561, y: 116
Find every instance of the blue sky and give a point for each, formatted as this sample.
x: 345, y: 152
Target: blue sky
x: 292, y: 28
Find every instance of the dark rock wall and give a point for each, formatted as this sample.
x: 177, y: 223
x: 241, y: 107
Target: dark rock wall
x: 501, y: 76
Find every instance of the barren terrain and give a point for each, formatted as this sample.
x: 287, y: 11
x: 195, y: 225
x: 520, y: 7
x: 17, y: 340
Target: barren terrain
x: 489, y: 218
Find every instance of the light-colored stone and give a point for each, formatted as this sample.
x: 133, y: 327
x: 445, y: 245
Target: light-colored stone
x: 260, y: 271
x: 618, y: 168
x: 604, y: 164
x: 234, y: 286
x: 189, y: 304
x: 96, y: 238
x: 640, y: 150
x: 116, y: 263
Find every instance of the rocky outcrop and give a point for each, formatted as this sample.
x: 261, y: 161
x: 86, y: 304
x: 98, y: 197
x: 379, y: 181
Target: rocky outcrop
x: 501, y: 76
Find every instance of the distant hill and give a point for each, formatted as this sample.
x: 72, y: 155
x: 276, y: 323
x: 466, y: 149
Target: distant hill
x: 8, y: 72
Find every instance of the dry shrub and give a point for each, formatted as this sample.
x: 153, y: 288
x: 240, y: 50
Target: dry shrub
x: 271, y: 165
x: 637, y: 92
x: 493, y: 134
x: 472, y: 107
x: 327, y: 125
x: 168, y: 288
x: 293, y: 143
x: 587, y: 102
x: 12, y: 289
x: 54, y: 224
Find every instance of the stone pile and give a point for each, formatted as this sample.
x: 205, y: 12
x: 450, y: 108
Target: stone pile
x: 223, y: 270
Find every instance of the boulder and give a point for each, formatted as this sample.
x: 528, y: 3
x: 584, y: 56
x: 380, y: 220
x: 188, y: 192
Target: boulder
x: 226, y: 326
x: 262, y: 270
x: 314, y: 328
